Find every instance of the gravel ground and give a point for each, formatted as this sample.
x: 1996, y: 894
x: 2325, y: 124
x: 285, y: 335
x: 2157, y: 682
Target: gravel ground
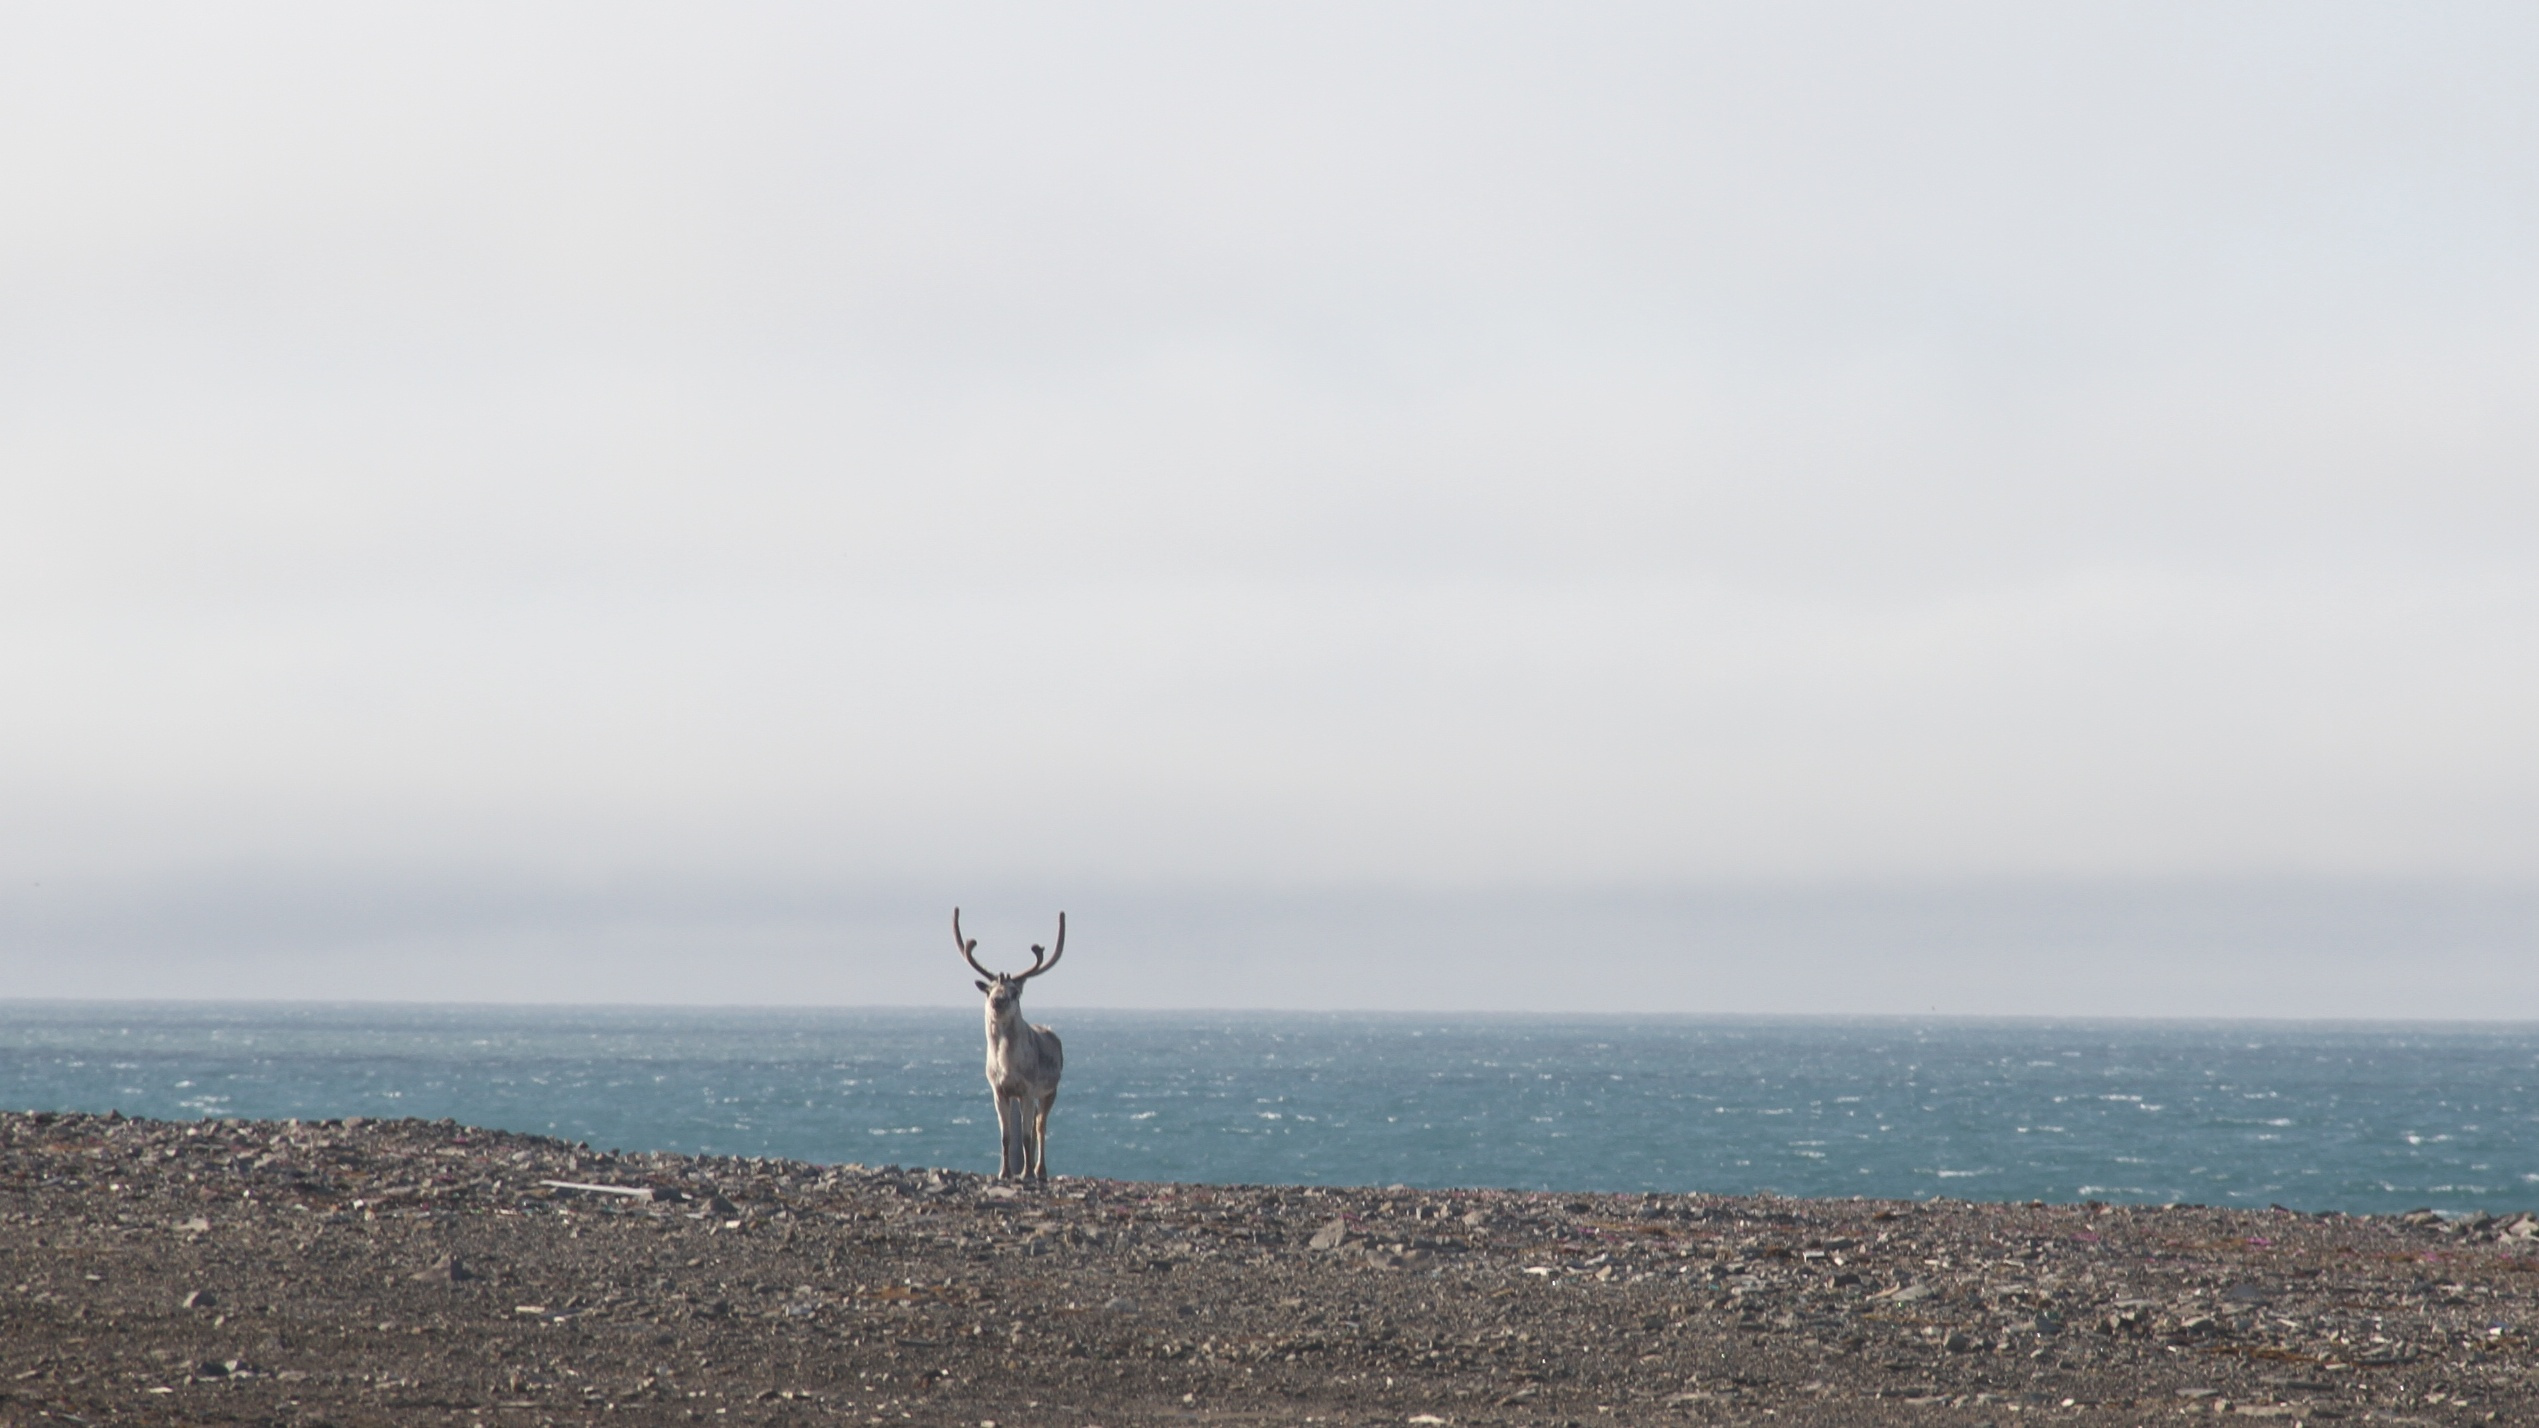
x: 411, y: 1272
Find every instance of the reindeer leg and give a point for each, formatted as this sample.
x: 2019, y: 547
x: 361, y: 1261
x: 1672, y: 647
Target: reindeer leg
x: 1022, y: 1137
x: 1009, y: 1117
x: 1040, y: 1136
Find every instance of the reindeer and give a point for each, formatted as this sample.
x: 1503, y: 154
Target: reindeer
x: 1023, y: 1060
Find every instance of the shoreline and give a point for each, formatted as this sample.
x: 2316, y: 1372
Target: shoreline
x: 351, y: 1272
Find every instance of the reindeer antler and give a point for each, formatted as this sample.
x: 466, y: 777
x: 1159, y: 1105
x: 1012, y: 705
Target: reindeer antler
x: 1055, y: 953
x: 969, y: 946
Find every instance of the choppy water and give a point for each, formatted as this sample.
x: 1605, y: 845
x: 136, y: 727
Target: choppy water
x: 2314, y: 1116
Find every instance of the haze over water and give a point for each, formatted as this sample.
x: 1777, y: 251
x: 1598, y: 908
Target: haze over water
x: 2313, y: 1115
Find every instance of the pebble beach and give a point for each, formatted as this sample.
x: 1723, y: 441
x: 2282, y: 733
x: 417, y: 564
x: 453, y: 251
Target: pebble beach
x: 376, y: 1272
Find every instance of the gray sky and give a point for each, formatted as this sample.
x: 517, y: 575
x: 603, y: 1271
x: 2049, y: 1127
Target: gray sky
x: 1868, y: 507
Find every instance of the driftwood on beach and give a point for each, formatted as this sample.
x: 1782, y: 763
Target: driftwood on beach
x: 395, y: 1272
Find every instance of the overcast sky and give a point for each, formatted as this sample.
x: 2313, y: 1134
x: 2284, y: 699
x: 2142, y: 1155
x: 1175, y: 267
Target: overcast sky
x: 1405, y: 505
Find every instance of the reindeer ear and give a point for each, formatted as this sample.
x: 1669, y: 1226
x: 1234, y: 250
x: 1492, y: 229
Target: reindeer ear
x: 982, y: 986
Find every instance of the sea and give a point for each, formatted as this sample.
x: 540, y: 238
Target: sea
x: 2314, y: 1116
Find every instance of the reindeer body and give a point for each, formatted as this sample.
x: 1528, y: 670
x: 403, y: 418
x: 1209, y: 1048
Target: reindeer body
x: 1023, y: 1061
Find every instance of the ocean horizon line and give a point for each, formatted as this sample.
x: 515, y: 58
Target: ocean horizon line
x: 1831, y: 1018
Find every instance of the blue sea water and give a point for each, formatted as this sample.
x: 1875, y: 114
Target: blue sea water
x: 2315, y: 1116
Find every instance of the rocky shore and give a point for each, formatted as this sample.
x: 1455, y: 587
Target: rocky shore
x: 407, y: 1272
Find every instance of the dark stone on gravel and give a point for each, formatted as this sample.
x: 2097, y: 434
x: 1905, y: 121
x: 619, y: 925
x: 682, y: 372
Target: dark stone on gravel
x: 449, y: 1269
x: 391, y: 1272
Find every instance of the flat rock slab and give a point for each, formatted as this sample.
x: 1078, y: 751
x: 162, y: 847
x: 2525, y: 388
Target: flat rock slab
x: 375, y: 1272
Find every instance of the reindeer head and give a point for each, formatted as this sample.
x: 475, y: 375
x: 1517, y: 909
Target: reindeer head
x: 1005, y: 989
